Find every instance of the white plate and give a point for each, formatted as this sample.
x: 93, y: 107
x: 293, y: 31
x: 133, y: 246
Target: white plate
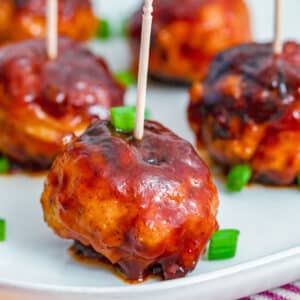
x: 34, y: 264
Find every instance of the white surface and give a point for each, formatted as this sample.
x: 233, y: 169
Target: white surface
x: 34, y: 264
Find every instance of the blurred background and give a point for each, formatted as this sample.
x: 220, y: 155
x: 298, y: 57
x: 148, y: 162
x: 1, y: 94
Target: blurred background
x: 262, y: 15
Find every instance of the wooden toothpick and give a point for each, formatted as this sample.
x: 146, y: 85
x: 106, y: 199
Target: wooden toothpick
x: 52, y: 28
x: 277, y: 46
x: 143, y: 69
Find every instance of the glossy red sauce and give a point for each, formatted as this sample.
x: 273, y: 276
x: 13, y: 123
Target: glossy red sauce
x: 76, y: 81
x: 44, y: 102
x: 159, y: 185
x: 248, y: 110
x: 88, y: 256
x: 270, y: 86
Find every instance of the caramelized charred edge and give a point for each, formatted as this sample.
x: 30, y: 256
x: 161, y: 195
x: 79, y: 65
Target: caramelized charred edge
x: 155, y: 269
x: 85, y: 252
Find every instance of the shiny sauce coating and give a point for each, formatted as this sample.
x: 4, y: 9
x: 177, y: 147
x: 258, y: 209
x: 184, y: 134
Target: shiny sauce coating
x: 140, y: 204
x: 43, y: 102
x: 76, y: 80
x: 270, y: 83
x: 248, y: 109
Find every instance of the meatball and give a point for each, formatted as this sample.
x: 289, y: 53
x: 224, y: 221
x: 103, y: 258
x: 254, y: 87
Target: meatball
x: 42, y: 101
x: 76, y: 19
x: 248, y: 111
x: 186, y: 37
x: 144, y: 205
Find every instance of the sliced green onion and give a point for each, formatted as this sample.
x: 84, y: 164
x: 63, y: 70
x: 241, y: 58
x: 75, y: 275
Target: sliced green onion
x: 125, y: 78
x: 298, y: 180
x: 238, y: 177
x: 104, y: 30
x: 223, y: 244
x: 123, y: 117
x: 2, y: 230
x: 4, y: 165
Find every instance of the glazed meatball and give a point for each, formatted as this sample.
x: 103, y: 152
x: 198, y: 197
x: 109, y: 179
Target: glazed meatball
x: 141, y: 204
x: 76, y: 19
x: 187, y: 36
x: 42, y: 101
x: 248, y: 111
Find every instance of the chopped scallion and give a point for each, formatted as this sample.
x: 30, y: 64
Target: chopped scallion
x: 123, y: 117
x: 223, y: 244
x: 238, y: 177
x: 104, y: 30
x: 2, y: 230
x: 298, y: 181
x: 4, y: 165
x: 125, y: 78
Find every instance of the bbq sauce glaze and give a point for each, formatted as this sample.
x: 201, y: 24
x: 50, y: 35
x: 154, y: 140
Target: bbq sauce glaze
x: 251, y: 96
x: 76, y: 80
x: 42, y: 101
x: 270, y: 83
x: 159, y: 185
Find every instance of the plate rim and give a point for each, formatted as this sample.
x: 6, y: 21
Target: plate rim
x: 157, y: 286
